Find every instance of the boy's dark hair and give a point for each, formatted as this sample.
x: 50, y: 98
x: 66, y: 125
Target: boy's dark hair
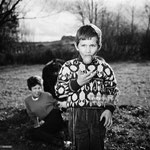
x: 33, y: 81
x: 87, y: 32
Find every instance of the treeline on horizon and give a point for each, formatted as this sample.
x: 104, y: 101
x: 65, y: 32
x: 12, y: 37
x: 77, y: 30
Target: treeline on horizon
x: 115, y: 48
x: 122, y: 40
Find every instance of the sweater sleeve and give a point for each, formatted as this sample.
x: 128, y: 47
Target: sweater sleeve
x: 53, y: 101
x: 32, y: 116
x: 111, y: 91
x: 63, y: 86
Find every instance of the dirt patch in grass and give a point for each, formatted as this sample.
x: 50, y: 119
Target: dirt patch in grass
x: 131, y: 128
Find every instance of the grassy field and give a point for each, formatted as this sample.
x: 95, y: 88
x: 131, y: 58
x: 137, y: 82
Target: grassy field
x: 13, y: 88
x: 133, y: 82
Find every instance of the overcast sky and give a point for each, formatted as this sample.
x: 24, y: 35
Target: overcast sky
x: 53, y: 27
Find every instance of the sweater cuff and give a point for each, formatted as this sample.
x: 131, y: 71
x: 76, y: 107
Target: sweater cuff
x: 110, y: 107
x: 74, y: 85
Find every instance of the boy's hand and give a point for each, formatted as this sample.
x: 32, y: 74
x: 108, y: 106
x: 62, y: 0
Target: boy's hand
x: 41, y: 122
x: 62, y: 104
x: 35, y: 122
x: 38, y: 123
x: 108, y: 118
x: 84, y: 78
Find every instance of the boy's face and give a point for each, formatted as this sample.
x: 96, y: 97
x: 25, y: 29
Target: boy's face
x: 87, y: 49
x: 36, y: 91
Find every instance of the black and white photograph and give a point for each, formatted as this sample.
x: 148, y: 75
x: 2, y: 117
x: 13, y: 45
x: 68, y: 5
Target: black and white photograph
x: 74, y: 74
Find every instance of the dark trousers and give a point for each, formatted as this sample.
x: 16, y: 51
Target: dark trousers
x: 89, y: 131
x: 49, y: 132
x: 53, y: 122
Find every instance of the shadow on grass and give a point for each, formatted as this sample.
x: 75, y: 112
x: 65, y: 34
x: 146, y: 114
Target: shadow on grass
x: 130, y: 130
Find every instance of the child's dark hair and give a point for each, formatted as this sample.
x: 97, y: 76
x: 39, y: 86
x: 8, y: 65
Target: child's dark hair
x: 33, y: 81
x: 87, y: 32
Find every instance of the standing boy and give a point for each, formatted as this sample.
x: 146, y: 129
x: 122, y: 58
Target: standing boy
x: 90, y: 85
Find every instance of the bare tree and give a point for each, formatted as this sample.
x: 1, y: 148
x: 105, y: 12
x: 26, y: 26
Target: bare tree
x: 86, y: 10
x: 7, y: 9
x: 147, y: 12
x: 8, y: 24
x: 118, y: 19
x: 130, y: 11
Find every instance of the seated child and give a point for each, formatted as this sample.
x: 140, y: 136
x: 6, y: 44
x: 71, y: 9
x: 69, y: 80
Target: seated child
x: 44, y: 112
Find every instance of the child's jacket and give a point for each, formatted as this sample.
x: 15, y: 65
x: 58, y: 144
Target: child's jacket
x: 101, y: 91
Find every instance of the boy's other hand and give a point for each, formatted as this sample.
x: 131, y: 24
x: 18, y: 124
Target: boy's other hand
x: 62, y: 104
x: 84, y: 78
x: 41, y: 122
x: 36, y: 125
x: 108, y: 118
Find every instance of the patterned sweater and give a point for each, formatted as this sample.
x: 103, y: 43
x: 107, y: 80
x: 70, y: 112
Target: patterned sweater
x: 101, y: 91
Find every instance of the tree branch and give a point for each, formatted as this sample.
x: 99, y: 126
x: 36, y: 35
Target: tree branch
x: 6, y: 15
x: 2, y: 2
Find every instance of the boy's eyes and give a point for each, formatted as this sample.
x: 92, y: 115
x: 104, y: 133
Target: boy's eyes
x: 92, y: 45
x: 37, y: 88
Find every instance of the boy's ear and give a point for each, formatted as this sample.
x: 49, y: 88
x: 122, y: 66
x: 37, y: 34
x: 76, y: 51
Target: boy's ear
x: 99, y: 47
x: 75, y: 44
